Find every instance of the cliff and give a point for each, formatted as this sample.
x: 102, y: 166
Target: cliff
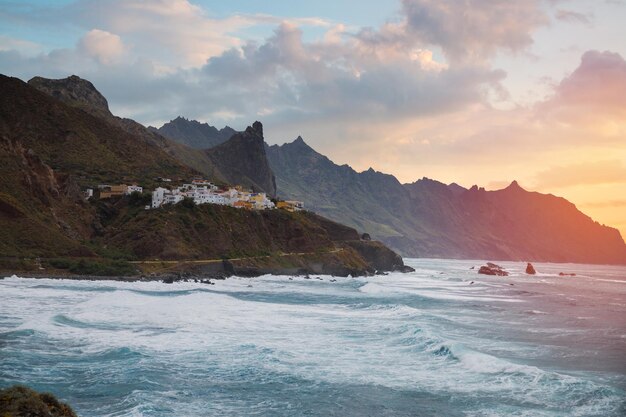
x: 242, y: 160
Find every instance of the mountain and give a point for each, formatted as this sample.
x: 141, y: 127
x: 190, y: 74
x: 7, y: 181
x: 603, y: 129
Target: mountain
x: 430, y: 219
x: 51, y: 148
x: 194, y: 134
x: 239, y: 161
x: 242, y: 160
x: 80, y: 93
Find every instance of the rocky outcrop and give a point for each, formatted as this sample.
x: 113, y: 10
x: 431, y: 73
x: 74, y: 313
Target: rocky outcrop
x: 20, y: 401
x: 530, y: 269
x: 74, y: 91
x: 242, y: 160
x: 492, y: 269
x: 378, y: 256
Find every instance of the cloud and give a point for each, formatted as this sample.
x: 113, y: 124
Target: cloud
x: 106, y: 47
x: 9, y: 44
x: 175, y: 32
x: 329, y: 79
x: 594, y: 92
x: 470, y: 30
x: 588, y: 173
x: 573, y: 17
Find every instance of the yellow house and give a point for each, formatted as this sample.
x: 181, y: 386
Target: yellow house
x: 113, y: 190
x: 243, y: 204
x: 290, y: 205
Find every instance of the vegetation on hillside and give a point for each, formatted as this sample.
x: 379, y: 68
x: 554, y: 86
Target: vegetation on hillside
x: 20, y: 401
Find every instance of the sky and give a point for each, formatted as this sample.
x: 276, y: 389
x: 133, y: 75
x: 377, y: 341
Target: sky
x: 473, y: 92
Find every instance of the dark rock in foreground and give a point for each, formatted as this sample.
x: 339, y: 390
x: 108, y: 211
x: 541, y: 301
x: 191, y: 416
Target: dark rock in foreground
x: 493, y: 269
x: 19, y: 401
x: 530, y: 269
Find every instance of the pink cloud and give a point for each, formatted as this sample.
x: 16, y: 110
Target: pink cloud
x: 104, y: 46
x: 595, y: 91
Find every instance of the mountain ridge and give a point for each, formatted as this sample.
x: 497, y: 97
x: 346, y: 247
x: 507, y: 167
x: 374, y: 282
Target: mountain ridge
x: 193, y: 133
x: 425, y: 218
x: 428, y: 218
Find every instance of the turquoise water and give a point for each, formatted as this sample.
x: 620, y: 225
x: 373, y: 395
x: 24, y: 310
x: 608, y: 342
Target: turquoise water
x: 428, y: 343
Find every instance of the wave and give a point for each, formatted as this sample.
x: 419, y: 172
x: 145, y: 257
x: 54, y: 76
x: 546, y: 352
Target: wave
x: 63, y: 320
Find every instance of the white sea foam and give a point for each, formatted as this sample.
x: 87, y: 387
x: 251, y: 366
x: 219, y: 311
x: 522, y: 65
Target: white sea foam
x: 408, y: 333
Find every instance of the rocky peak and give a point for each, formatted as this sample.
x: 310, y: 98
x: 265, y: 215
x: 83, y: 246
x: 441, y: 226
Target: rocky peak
x: 243, y: 160
x: 74, y: 91
x: 258, y: 127
x: 514, y: 186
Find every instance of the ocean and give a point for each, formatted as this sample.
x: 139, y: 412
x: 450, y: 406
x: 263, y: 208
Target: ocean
x: 428, y: 343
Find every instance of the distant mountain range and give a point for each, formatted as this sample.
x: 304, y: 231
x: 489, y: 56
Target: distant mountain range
x: 422, y: 219
x: 194, y: 134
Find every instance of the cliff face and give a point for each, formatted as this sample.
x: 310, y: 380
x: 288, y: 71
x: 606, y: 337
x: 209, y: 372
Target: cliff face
x: 242, y: 160
x: 431, y: 219
x: 74, y: 91
x: 195, y: 134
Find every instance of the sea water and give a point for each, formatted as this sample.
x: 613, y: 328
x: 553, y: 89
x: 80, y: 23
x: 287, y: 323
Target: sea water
x: 442, y: 341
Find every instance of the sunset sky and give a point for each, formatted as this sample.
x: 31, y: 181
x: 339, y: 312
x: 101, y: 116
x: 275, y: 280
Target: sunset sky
x: 473, y: 92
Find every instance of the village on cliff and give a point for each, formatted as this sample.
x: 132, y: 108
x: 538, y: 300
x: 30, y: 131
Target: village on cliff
x: 199, y: 191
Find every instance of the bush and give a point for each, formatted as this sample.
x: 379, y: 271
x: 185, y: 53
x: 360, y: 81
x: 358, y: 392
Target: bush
x: 138, y: 199
x: 17, y: 264
x: 60, y: 263
x: 102, y: 268
x: 23, y: 401
x: 93, y: 267
x: 188, y: 203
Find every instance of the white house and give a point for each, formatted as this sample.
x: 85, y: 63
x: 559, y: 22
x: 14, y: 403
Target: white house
x: 88, y: 193
x: 207, y: 194
x: 134, y: 188
x: 172, y: 198
x: 158, y: 196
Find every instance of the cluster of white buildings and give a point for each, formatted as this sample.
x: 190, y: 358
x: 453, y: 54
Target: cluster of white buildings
x: 204, y: 192
x: 201, y: 192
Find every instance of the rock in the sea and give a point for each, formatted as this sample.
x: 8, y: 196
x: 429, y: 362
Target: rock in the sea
x: 366, y: 236
x: 493, y: 269
x: 530, y: 269
x: 563, y: 274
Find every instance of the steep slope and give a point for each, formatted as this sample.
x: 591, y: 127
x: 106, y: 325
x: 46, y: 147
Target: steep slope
x: 194, y: 134
x: 77, y: 92
x: 41, y: 212
x: 48, y: 151
x: 78, y: 143
x: 367, y: 201
x: 431, y: 219
x: 243, y: 160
